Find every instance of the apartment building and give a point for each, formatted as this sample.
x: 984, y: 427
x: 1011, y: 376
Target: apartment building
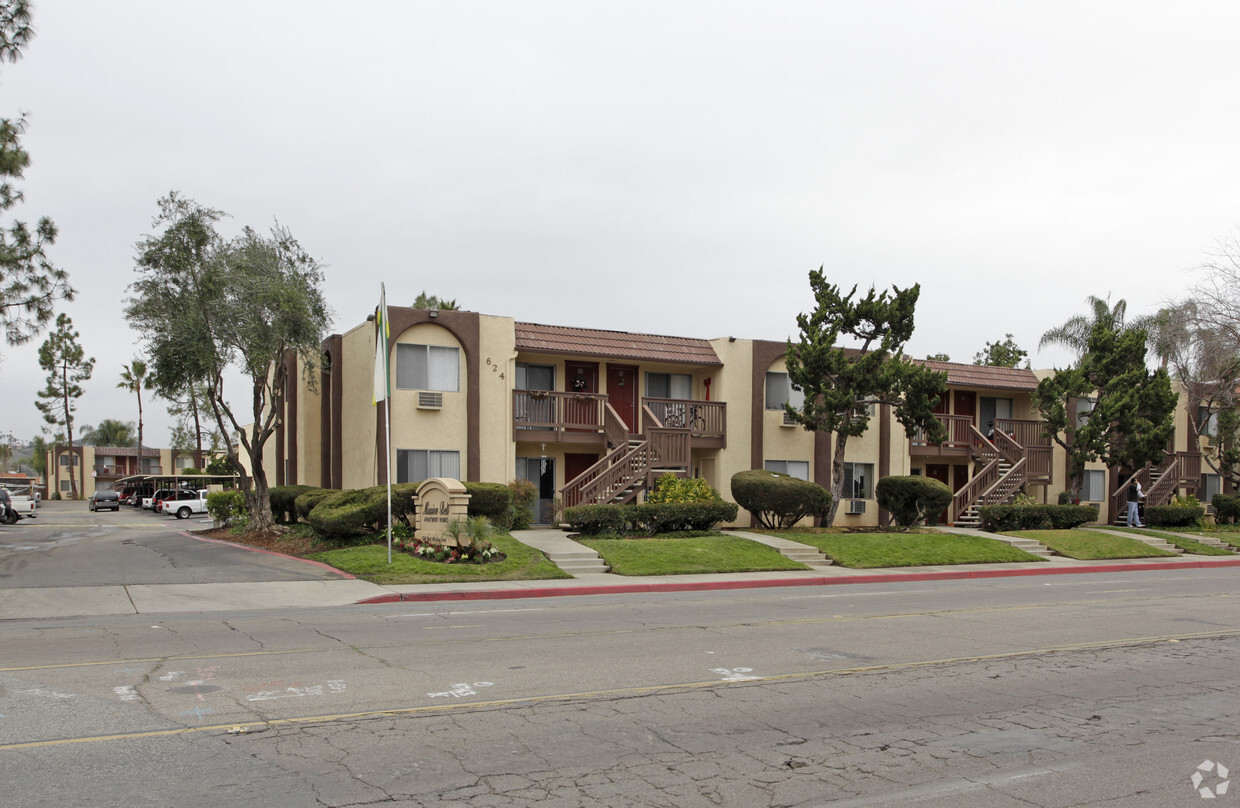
x: 590, y: 415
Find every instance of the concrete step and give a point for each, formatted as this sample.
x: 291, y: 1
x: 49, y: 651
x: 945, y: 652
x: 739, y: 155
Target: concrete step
x: 809, y: 556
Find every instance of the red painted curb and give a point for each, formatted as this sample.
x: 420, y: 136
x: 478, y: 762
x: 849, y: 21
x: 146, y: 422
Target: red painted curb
x: 701, y: 586
x: 328, y: 567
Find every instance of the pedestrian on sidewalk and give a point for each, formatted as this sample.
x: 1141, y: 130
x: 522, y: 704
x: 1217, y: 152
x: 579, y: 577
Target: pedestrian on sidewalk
x: 1135, y: 495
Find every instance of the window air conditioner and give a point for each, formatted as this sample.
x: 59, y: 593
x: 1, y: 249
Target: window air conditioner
x: 856, y: 506
x: 430, y: 401
x: 789, y: 420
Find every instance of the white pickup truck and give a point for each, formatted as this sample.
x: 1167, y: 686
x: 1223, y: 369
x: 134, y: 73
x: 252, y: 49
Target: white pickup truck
x: 193, y: 502
x: 18, y: 503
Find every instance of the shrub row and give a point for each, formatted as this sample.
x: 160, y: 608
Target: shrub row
x: 1001, y: 518
x: 1174, y: 515
x: 648, y: 518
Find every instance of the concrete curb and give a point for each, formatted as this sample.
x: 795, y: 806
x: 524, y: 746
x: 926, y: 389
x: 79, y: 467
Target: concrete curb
x: 622, y: 588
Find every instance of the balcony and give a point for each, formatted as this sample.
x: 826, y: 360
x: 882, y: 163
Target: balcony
x: 957, y: 441
x: 554, y: 417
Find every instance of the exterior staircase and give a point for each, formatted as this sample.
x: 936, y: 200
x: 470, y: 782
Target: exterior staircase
x: 632, y: 464
x: 1000, y: 478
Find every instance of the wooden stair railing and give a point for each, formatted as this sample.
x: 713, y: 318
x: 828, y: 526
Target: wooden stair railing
x: 991, y: 485
x: 625, y: 469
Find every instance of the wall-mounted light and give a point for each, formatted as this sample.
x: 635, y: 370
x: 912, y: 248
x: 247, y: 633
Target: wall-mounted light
x: 433, y: 313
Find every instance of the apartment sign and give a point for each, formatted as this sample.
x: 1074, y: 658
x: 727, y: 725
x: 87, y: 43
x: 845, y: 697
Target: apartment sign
x: 439, y: 502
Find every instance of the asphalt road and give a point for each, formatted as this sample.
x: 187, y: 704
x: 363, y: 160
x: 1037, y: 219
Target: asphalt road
x: 1099, y: 690
x: 67, y: 545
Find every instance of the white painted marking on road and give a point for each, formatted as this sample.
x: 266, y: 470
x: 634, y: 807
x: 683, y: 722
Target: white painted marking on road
x: 45, y: 692
x: 461, y: 689
x: 299, y: 691
x: 126, y: 693
x: 734, y: 674
x: 171, y: 676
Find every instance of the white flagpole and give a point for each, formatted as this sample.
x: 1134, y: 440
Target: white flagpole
x: 383, y: 392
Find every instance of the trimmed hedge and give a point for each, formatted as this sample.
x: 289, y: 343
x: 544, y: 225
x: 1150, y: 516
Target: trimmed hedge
x: 1174, y: 515
x: 1226, y: 508
x: 777, y: 500
x: 226, y: 506
x: 912, y: 500
x: 1002, y: 518
x: 649, y: 518
x: 284, y: 501
x: 670, y: 488
x: 306, y: 502
x: 348, y: 513
x: 492, y: 500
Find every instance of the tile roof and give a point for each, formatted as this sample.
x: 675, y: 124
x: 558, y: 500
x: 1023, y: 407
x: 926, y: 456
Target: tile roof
x: 614, y: 344
x: 959, y: 375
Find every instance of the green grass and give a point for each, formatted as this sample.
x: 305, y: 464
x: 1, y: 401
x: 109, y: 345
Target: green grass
x: 684, y: 556
x: 869, y: 550
x: 369, y: 562
x: 1088, y: 545
x: 1187, y: 545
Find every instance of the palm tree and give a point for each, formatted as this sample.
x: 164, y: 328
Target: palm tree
x: 425, y: 301
x: 1074, y: 333
x: 109, y: 432
x: 133, y: 379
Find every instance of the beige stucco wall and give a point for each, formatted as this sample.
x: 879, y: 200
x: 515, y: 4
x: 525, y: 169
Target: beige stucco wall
x: 497, y: 376
x: 357, y: 409
x: 442, y: 429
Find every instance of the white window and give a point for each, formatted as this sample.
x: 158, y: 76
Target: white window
x: 428, y: 367
x: 793, y: 468
x: 184, y: 461
x: 1094, y: 486
x: 65, y: 485
x: 669, y: 385
x: 1211, y: 484
x: 858, y: 480
x: 1084, y: 406
x: 779, y: 392
x: 415, y: 465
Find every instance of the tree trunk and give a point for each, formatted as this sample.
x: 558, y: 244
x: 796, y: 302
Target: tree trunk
x: 139, y: 391
x: 193, y: 403
x: 837, y: 474
x: 69, y: 431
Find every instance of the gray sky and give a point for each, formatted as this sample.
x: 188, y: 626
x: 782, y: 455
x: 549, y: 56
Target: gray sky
x: 664, y: 167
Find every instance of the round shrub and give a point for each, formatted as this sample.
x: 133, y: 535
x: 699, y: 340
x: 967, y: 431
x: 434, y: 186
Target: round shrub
x: 1226, y: 508
x: 912, y: 500
x: 594, y: 520
x: 777, y: 500
x: 524, y: 494
x: 226, y: 506
x: 284, y: 501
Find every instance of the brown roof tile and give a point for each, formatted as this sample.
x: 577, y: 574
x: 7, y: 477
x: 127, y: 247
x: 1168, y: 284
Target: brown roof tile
x: 614, y: 344
x: 959, y: 375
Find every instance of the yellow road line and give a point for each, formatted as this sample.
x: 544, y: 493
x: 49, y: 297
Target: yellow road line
x: 624, y: 691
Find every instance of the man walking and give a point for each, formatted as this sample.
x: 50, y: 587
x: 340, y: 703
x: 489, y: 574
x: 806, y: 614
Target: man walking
x: 1135, y: 495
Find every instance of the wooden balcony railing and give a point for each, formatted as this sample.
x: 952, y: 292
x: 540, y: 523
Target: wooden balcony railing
x: 557, y: 412
x: 707, y: 419
x: 957, y: 428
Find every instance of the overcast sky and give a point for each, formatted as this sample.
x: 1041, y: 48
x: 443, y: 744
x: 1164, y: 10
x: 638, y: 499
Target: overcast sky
x: 664, y: 167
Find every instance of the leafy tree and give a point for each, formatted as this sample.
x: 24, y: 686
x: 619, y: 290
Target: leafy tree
x: 67, y: 367
x: 209, y: 304
x: 840, y: 384
x: 189, y: 409
x: 938, y: 357
x: 29, y: 282
x: 134, y: 378
x: 1006, y: 354
x: 6, y: 454
x: 39, y: 447
x: 109, y: 432
x: 425, y: 301
x: 1129, y: 414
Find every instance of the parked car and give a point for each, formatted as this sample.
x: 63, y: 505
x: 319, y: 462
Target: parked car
x: 148, y: 503
x: 108, y: 500
x: 19, y: 503
x: 186, y: 503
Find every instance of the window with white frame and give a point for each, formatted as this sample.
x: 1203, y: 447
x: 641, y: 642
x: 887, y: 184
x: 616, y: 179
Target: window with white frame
x: 415, y: 465
x: 1211, y: 484
x: 858, y: 480
x: 65, y: 485
x: 669, y: 385
x: 1084, y: 406
x: 1094, y: 486
x: 779, y: 391
x: 793, y: 468
x: 1207, y: 422
x: 428, y: 367
x: 535, y: 377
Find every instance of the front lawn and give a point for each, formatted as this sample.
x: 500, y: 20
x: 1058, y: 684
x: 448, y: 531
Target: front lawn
x: 869, y: 550
x: 369, y: 562
x: 1187, y: 545
x: 1089, y: 545
x: 683, y: 556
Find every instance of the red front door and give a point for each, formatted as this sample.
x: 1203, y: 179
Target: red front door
x: 942, y: 473
x: 622, y: 393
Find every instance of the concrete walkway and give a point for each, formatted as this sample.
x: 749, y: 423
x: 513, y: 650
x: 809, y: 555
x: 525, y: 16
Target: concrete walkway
x: 56, y: 602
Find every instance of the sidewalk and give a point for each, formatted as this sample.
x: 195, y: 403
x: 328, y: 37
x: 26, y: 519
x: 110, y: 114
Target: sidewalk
x: 56, y: 602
